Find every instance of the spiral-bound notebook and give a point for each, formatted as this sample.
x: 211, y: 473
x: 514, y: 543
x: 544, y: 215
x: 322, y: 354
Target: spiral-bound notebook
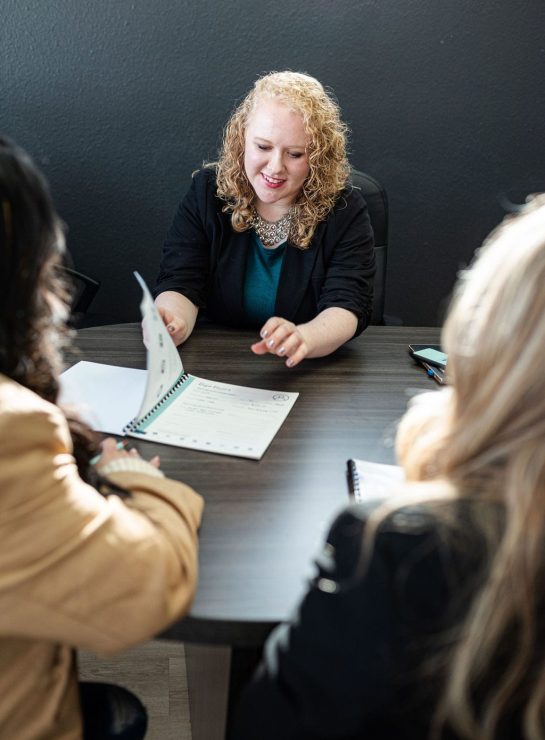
x: 177, y: 408
x: 369, y: 479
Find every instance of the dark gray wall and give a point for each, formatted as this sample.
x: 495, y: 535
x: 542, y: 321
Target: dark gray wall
x: 120, y: 99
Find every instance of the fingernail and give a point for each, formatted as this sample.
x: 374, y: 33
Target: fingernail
x: 170, y: 328
x: 289, y: 362
x: 263, y: 333
x: 270, y: 343
x: 281, y: 350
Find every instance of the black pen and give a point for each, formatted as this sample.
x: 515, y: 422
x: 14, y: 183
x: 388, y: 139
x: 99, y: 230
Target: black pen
x: 434, y: 373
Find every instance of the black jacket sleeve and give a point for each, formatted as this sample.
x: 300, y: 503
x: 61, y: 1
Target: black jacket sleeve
x: 186, y: 252
x: 349, y: 277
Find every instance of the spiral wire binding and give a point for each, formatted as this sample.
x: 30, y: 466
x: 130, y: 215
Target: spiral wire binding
x: 353, y: 479
x: 133, y: 425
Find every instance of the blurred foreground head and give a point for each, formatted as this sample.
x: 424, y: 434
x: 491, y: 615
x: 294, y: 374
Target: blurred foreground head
x: 490, y: 423
x: 485, y: 437
x: 33, y: 300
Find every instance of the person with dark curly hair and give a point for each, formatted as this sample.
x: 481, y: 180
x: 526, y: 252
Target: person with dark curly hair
x: 96, y: 556
x: 272, y: 236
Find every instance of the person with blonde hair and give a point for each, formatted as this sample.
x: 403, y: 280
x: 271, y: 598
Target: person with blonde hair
x: 96, y: 554
x: 273, y: 236
x: 425, y: 617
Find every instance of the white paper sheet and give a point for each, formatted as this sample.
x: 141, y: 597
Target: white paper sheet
x: 104, y: 396
x: 163, y: 360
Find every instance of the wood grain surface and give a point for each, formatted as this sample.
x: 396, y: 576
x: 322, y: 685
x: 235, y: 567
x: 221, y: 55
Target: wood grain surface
x: 265, y: 520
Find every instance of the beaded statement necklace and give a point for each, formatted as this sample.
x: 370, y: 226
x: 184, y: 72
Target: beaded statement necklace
x: 272, y: 233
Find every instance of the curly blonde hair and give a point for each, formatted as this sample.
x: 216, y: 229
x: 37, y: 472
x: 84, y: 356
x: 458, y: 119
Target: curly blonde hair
x: 326, y: 151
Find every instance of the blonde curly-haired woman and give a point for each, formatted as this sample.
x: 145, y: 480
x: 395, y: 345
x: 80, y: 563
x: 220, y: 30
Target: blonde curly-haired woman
x: 272, y: 236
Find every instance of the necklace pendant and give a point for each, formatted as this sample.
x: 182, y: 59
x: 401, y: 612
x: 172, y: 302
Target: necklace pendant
x: 272, y: 233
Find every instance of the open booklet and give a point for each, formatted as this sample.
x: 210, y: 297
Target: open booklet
x: 367, y: 480
x: 165, y: 404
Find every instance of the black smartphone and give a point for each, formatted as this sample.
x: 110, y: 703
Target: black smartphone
x: 430, y: 353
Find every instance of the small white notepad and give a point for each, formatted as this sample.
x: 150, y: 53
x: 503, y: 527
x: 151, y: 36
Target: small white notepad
x: 165, y: 404
x: 368, y: 480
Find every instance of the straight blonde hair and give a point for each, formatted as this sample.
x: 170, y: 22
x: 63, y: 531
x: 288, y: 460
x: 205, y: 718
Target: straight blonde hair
x: 485, y: 437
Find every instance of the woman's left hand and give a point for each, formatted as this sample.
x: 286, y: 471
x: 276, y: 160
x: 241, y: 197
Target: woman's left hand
x: 284, y: 339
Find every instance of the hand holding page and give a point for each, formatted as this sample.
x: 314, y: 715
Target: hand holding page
x: 177, y: 408
x: 164, y: 364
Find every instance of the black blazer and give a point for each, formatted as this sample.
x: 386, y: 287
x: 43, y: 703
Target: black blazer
x: 352, y: 662
x: 204, y: 259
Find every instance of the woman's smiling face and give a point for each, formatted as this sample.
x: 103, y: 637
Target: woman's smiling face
x: 275, y: 157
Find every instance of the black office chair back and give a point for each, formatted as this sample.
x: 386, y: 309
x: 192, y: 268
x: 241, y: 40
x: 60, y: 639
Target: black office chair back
x: 85, y: 289
x: 377, y: 203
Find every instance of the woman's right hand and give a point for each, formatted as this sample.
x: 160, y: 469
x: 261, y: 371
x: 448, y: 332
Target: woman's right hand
x: 176, y: 325
x: 178, y: 314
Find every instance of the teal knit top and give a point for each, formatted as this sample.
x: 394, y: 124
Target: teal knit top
x: 263, y: 268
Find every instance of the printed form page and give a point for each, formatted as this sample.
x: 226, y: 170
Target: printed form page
x: 220, y: 417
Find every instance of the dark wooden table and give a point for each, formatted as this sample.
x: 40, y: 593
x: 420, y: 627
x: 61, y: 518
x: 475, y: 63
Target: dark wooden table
x: 264, y: 520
